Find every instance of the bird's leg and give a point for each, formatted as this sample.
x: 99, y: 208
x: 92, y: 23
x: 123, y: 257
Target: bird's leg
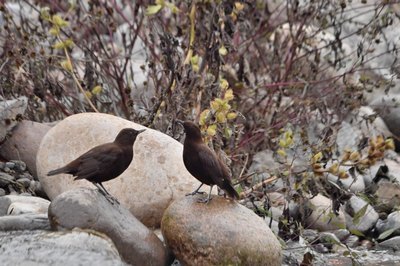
x: 196, y: 191
x: 105, y: 193
x: 208, y: 199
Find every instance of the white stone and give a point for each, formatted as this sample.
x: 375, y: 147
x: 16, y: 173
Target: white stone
x: 16, y: 204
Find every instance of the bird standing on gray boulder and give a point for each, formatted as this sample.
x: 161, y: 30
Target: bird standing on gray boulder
x: 203, y: 163
x: 103, y: 162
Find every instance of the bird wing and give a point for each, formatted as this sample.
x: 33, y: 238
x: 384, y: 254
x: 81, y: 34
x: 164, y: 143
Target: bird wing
x: 212, y: 166
x: 90, y: 163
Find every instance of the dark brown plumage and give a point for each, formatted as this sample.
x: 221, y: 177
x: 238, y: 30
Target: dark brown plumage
x: 103, y: 162
x: 203, y: 163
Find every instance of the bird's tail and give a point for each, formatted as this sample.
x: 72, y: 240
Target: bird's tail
x: 228, y: 188
x: 58, y: 171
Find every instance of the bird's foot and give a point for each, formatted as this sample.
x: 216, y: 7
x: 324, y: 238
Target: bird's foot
x: 110, y: 198
x: 204, y: 200
x: 194, y: 193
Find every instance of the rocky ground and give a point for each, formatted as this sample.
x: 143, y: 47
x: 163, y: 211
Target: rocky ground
x: 362, y: 232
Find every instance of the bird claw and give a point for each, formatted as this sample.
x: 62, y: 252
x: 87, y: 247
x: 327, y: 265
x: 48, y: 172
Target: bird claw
x: 194, y: 193
x: 204, y: 200
x: 112, y: 200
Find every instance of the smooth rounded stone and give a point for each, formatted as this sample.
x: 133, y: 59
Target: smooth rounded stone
x: 155, y: 177
x: 221, y: 232
x: 391, y: 244
x: 342, y: 234
x: 27, y: 221
x: 10, y: 165
x: 24, y: 143
x: 310, y: 235
x: 348, y: 137
x: 16, y: 204
x: 19, y: 166
x: 25, y: 175
x: 387, y: 196
x: 9, y: 110
x: 321, y: 217
x: 2, y: 192
x: 355, y: 185
x: 24, y: 181
x: 366, y: 221
x: 352, y: 241
x: 328, y: 239
x: 263, y: 162
x: 88, y: 209
x: 394, y: 168
x: 57, y: 248
x: 392, y: 223
x: 5, y: 179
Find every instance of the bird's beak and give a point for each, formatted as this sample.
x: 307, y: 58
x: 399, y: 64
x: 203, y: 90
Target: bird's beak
x: 140, y: 131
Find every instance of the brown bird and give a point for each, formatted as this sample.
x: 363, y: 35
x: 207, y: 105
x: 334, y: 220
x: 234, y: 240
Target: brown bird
x: 103, y: 162
x: 203, y: 163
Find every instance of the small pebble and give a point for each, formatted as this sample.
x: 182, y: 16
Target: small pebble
x: 18, y: 165
x: 321, y: 248
x: 25, y: 175
x: 352, y: 241
x: 10, y: 165
x: 2, y: 165
x: 2, y: 192
x: 5, y: 179
x: 25, y: 182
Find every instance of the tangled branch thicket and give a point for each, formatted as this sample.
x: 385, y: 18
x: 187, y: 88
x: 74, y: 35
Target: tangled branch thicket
x: 244, y: 69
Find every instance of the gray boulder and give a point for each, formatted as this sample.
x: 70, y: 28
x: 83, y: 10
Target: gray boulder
x: 88, y: 209
x: 221, y: 232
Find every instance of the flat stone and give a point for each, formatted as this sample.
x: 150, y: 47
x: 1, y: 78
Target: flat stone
x: 88, y: 209
x: 155, y: 177
x: 366, y: 221
x: 16, y: 204
x: 221, y: 232
x: 57, y: 248
x: 27, y: 221
x: 391, y: 223
x: 321, y: 217
x: 5, y: 179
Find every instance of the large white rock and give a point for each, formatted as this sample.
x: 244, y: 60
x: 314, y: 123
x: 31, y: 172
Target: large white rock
x: 155, y: 177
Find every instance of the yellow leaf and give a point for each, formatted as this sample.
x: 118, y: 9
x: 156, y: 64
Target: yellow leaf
x: 228, y: 132
x: 88, y: 94
x: 334, y: 169
x: 44, y: 13
x: 173, y: 7
x: 222, y: 50
x: 66, y: 65
x: 214, y: 105
x: 153, y: 9
x: 239, y: 6
x: 389, y: 144
x: 225, y: 106
x: 223, y: 84
x: 59, y: 21
x: 97, y: 90
x: 55, y: 31
x: 343, y: 174
x: 160, y: 2
x: 228, y: 95
x: 282, y: 143
x: 221, y: 117
x: 231, y: 115
x: 317, y: 157
x: 281, y: 152
x: 355, y: 156
x: 203, y: 117
x: 212, y: 130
